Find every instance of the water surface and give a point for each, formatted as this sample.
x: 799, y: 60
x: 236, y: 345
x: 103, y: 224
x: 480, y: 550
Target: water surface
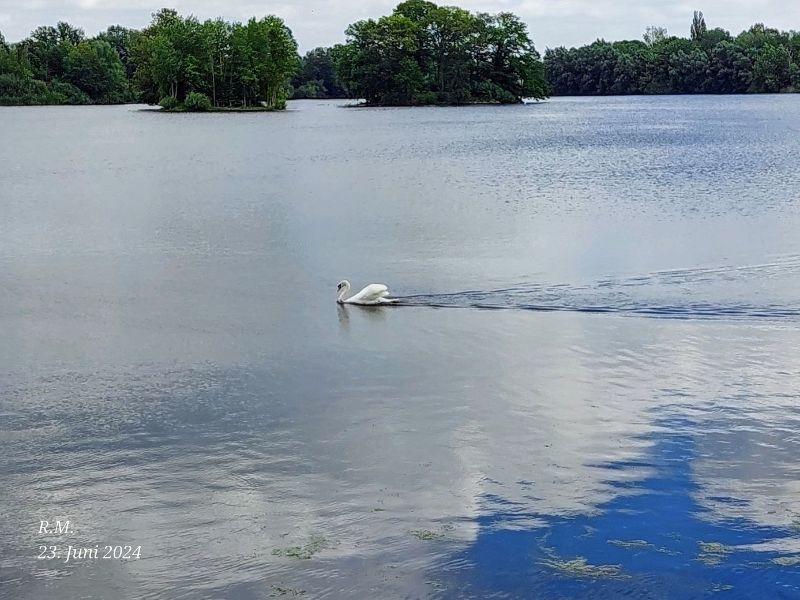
x: 175, y: 374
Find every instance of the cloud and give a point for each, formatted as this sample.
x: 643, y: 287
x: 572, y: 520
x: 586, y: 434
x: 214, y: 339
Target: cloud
x: 322, y: 22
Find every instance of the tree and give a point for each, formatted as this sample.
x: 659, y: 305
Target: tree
x: 45, y: 52
x: 273, y: 55
x: 233, y: 64
x: 11, y: 62
x: 217, y: 35
x: 730, y: 69
x: 653, y: 35
x: 760, y: 59
x: 95, y: 68
x: 380, y: 63
x: 424, y: 54
x: 712, y: 37
x: 316, y: 76
x: 450, y: 33
x: 513, y: 70
x: 679, y: 67
x: 795, y: 75
x: 772, y: 69
x: 698, y: 29
x: 122, y: 39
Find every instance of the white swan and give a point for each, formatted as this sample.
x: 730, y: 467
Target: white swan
x: 374, y: 293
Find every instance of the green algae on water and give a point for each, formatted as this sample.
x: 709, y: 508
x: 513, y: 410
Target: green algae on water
x: 714, y: 548
x: 316, y: 544
x: 642, y: 545
x: 426, y: 534
x: 633, y: 544
x: 713, y: 553
x: 288, y: 592
x: 580, y: 568
x: 429, y: 534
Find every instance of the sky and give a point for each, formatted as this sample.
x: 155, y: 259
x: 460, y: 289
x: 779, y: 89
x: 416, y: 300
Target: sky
x: 322, y: 22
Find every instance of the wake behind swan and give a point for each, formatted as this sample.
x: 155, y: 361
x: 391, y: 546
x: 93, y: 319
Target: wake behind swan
x: 716, y: 292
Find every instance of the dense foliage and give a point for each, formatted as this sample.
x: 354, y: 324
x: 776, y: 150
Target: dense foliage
x: 224, y: 64
x: 58, y: 65
x: 428, y: 54
x: 232, y: 64
x: 711, y: 61
x: 196, y: 102
x: 316, y: 77
x: 422, y: 53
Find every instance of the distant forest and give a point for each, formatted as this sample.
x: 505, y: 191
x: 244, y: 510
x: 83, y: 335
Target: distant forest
x: 710, y: 61
x: 422, y: 53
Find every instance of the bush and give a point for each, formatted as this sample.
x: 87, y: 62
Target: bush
x: 310, y: 89
x: 168, y: 103
x: 17, y: 90
x: 425, y: 97
x: 197, y: 102
x: 794, y: 71
x: 68, y: 93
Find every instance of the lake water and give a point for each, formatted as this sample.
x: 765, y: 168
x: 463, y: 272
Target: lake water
x: 175, y: 373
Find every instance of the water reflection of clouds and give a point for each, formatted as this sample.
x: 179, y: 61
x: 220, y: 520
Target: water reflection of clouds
x: 551, y: 415
x: 652, y: 543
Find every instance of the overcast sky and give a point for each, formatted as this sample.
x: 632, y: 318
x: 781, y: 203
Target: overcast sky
x: 322, y: 22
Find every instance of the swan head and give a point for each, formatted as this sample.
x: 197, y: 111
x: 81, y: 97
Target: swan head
x: 342, y: 289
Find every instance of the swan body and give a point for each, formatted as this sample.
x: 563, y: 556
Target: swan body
x: 374, y: 293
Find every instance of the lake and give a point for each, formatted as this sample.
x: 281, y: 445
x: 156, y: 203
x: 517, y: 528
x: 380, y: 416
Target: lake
x: 589, y: 389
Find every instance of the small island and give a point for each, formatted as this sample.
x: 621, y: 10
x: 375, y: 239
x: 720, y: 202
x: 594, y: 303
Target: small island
x: 428, y: 54
x: 184, y: 64
x: 176, y: 62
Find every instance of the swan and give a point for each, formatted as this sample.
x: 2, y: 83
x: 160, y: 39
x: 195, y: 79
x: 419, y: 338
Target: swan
x: 374, y: 293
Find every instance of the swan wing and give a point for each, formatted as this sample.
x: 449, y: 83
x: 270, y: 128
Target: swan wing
x: 372, y: 293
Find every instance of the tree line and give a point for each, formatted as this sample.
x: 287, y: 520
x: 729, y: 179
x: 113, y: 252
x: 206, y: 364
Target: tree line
x: 710, y: 61
x: 58, y: 65
x: 421, y: 53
